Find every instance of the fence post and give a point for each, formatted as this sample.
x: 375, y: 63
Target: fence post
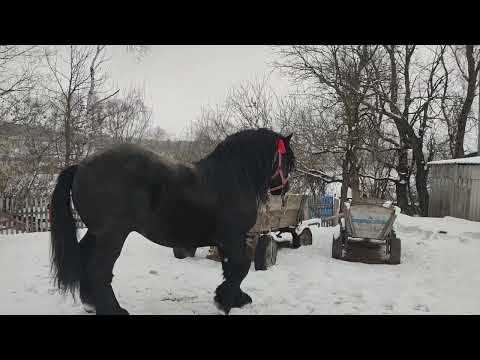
x: 35, y: 213
x: 27, y: 220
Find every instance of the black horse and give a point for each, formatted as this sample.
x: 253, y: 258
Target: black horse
x: 127, y: 188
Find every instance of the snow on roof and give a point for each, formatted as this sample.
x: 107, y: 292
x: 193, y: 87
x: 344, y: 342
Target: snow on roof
x: 474, y: 160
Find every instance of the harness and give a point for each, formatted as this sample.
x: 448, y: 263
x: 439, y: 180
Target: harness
x: 279, y: 172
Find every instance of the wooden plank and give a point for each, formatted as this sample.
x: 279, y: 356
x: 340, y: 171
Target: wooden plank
x: 42, y: 214
x: 48, y: 215
x: 45, y: 215
x: 39, y: 215
x: 12, y: 213
x: 24, y: 214
x: 331, y: 220
x: 32, y: 215
x: 27, y: 220
x: 29, y: 214
x: 39, y: 206
x: 35, y: 213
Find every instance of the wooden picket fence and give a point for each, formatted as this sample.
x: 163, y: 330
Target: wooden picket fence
x: 32, y: 214
x: 28, y: 215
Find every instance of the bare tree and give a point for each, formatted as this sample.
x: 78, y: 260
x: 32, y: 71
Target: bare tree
x: 21, y: 113
x: 74, y: 92
x: 16, y: 68
x: 25, y: 151
x: 457, y: 100
x: 337, y: 74
x: 252, y: 105
x: 414, y: 115
x: 127, y: 119
x: 55, y: 109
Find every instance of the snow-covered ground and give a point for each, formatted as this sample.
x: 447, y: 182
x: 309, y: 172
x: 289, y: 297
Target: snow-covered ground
x: 439, y: 274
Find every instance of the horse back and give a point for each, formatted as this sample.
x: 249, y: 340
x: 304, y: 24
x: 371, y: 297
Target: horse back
x: 130, y: 187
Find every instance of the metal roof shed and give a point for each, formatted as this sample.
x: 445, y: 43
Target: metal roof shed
x: 455, y: 188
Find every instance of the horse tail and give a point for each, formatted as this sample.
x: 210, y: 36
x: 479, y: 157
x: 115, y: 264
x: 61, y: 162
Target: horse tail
x: 65, y: 250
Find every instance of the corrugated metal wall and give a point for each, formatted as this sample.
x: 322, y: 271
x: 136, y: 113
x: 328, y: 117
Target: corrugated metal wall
x: 455, y: 191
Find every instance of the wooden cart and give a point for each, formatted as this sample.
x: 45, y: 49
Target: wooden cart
x: 366, y: 233
x: 279, y: 215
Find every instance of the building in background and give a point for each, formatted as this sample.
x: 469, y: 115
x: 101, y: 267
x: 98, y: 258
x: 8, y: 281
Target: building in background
x: 455, y: 188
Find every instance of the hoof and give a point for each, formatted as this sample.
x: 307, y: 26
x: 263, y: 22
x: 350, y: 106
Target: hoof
x: 122, y: 311
x: 241, y: 300
x: 224, y: 308
x: 224, y: 298
x: 227, y: 298
x: 119, y: 311
x: 89, y: 308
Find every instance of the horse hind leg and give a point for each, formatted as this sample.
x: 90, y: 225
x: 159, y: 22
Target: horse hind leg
x: 87, y: 247
x: 105, y: 253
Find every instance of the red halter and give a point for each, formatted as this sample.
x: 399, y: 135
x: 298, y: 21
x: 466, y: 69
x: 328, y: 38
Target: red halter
x: 280, y: 151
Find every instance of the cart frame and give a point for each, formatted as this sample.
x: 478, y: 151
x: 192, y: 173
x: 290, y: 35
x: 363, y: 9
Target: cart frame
x: 367, y: 221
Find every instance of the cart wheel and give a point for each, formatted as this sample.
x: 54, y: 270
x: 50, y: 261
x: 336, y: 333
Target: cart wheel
x: 306, y: 237
x: 182, y: 253
x: 265, y: 252
x: 337, y: 247
x: 274, y: 251
x: 296, y: 240
x: 395, y: 249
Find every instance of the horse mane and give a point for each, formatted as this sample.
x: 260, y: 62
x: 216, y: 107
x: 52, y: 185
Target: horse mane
x: 241, y: 163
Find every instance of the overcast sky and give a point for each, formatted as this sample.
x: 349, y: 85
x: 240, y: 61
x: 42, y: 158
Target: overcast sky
x: 179, y: 80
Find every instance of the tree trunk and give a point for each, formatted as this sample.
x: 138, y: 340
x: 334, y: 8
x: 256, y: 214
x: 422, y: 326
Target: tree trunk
x: 401, y: 186
x: 423, y: 196
x: 68, y: 134
x: 421, y: 177
x: 345, y: 182
x: 354, y: 181
x: 467, y: 104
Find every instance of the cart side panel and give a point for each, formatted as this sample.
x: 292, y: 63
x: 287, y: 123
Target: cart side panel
x: 369, y: 221
x: 275, y: 215
x: 288, y: 215
x: 263, y: 220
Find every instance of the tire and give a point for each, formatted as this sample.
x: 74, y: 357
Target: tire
x: 337, y: 250
x: 306, y: 237
x: 296, y: 241
x: 274, y: 252
x: 182, y: 253
x: 265, y: 253
x: 343, y: 236
x: 395, y: 249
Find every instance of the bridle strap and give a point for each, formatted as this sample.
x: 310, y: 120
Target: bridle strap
x: 278, y: 172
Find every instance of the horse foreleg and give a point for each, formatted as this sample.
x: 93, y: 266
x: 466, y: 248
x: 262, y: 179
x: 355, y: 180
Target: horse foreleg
x: 235, y: 265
